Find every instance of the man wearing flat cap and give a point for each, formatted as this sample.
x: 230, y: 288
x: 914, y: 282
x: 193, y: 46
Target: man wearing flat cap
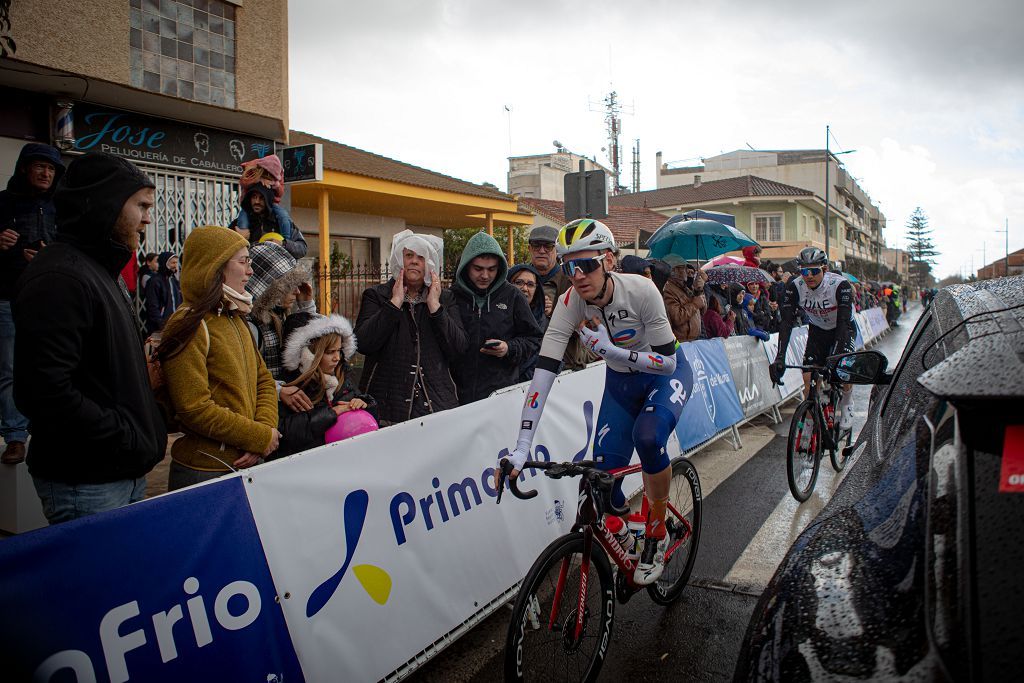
x: 544, y: 260
x: 79, y: 370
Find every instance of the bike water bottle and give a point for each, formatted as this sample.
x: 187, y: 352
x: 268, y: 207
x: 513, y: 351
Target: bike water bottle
x: 621, y: 532
x: 637, y: 525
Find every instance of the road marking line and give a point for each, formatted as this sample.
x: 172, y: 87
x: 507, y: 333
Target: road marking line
x: 765, y: 551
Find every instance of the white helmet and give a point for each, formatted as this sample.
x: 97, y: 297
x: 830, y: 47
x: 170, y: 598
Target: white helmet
x: 584, y: 234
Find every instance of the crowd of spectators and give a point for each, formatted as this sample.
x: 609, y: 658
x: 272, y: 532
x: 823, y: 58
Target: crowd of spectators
x: 227, y: 348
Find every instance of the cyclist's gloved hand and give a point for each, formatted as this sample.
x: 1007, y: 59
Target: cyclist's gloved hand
x: 517, y: 458
x: 776, y: 370
x: 596, y: 340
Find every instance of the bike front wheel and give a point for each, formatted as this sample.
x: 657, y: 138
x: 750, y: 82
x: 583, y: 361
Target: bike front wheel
x: 843, y: 437
x: 544, y: 641
x: 682, y: 521
x: 803, y: 451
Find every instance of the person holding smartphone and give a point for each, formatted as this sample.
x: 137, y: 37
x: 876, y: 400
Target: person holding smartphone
x: 502, y: 331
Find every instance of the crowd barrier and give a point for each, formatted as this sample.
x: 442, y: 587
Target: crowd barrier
x: 355, y: 561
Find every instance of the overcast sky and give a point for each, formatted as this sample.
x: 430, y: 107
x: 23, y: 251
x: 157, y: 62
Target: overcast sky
x: 928, y: 92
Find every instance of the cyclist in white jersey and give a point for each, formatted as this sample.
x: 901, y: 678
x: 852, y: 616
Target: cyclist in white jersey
x: 647, y: 382
x: 827, y: 300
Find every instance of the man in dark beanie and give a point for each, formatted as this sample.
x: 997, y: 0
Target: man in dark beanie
x: 80, y: 373
x: 27, y: 224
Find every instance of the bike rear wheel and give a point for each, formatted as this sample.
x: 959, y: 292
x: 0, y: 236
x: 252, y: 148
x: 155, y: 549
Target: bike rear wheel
x: 542, y: 644
x: 803, y: 451
x: 682, y: 521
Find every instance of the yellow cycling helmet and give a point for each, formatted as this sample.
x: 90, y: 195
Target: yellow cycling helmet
x: 584, y: 234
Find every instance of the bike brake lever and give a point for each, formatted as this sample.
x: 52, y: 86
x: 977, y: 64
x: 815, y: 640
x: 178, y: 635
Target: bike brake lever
x: 504, y: 467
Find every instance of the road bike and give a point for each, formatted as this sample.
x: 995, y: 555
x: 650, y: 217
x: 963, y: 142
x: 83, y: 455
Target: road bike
x: 562, y: 619
x: 815, y: 427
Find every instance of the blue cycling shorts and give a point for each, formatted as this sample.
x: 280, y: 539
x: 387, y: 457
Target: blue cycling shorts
x: 639, y: 411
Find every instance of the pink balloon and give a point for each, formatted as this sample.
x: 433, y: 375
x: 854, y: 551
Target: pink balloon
x: 350, y: 423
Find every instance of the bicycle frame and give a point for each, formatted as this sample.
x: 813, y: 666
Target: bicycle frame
x: 589, y: 520
x: 834, y: 393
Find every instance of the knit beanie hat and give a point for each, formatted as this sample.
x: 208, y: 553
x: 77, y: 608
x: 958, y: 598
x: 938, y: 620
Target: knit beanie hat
x: 92, y: 192
x: 207, y: 249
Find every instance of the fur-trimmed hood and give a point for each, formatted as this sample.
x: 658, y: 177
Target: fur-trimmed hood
x: 302, y: 328
x: 275, y: 273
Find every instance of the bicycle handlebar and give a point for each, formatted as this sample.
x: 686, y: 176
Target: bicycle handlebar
x: 556, y: 470
x: 505, y: 468
x: 808, y: 368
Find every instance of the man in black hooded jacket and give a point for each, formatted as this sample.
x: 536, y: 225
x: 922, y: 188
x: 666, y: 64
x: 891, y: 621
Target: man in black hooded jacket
x: 80, y: 372
x: 27, y: 223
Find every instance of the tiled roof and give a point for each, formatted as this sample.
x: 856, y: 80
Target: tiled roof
x: 340, y: 157
x: 623, y: 221
x: 712, y: 190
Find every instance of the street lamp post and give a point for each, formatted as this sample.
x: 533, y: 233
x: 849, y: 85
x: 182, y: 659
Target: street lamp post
x: 1006, y: 258
x: 828, y: 155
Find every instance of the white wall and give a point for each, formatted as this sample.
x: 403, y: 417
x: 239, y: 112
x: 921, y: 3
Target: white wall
x: 10, y: 148
x: 344, y: 224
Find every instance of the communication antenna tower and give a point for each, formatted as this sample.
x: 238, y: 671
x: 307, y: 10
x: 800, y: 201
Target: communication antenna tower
x: 613, y: 124
x: 636, y: 165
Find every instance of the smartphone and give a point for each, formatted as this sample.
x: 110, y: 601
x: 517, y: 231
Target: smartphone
x: 492, y: 344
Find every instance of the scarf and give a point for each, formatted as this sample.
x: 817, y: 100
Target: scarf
x: 237, y: 302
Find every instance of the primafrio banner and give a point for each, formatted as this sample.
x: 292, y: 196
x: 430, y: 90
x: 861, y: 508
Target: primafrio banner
x: 175, y: 588
x: 386, y: 542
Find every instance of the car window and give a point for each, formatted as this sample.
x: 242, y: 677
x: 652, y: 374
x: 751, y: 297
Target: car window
x: 906, y: 398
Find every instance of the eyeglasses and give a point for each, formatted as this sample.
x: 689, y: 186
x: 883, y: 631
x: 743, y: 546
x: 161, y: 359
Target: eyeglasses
x: 525, y: 283
x: 542, y: 246
x: 244, y: 261
x: 584, y: 265
x: 809, y: 271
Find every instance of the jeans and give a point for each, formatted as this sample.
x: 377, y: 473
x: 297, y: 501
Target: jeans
x: 179, y: 476
x: 64, y: 502
x: 13, y: 425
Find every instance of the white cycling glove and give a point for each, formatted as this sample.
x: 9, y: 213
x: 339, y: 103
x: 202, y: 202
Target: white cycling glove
x: 651, y: 362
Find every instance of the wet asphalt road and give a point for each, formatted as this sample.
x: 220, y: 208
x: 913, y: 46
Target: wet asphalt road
x: 750, y: 519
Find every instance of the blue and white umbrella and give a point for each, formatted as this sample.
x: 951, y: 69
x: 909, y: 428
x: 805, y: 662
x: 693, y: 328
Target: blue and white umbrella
x: 699, y: 240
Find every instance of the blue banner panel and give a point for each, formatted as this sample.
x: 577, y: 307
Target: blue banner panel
x: 175, y: 588
x: 714, y: 404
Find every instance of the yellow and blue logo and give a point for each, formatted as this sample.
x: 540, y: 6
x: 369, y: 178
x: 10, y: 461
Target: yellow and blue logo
x: 374, y: 580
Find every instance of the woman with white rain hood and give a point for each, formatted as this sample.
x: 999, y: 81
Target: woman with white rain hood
x: 410, y: 332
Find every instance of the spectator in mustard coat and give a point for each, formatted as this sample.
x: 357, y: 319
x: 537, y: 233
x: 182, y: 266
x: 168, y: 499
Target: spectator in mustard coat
x: 221, y: 391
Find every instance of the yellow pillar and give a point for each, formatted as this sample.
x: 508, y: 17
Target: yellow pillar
x: 324, y: 204
x: 511, y: 244
x: 490, y: 224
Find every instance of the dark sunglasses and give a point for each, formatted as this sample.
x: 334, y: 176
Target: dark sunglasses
x: 585, y: 265
x: 809, y: 271
x: 545, y: 246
